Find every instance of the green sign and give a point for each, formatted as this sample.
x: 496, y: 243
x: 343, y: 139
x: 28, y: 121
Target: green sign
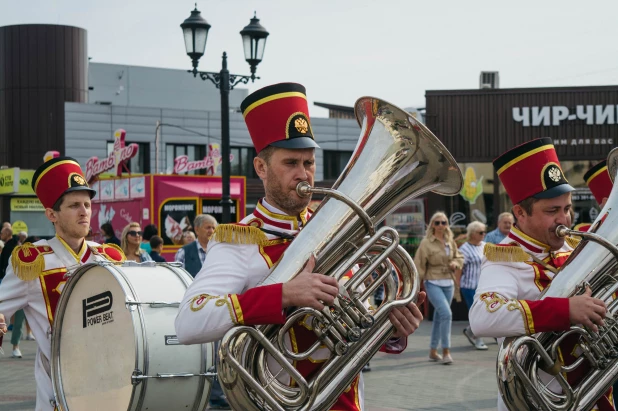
x: 25, y: 182
x: 26, y: 204
x: 9, y: 180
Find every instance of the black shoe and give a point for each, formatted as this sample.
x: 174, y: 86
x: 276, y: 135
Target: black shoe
x: 366, y: 368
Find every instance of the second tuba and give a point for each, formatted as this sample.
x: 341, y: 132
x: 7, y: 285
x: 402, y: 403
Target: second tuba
x: 396, y: 158
x: 594, y: 264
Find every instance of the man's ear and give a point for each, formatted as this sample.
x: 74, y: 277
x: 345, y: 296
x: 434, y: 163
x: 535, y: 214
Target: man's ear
x: 518, y: 211
x: 260, y: 167
x: 51, y: 215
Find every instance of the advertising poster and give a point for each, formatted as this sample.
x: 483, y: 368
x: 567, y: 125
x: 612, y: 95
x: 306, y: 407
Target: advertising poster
x: 96, y: 187
x: 121, y: 189
x: 107, y: 190
x: 213, y: 207
x: 176, y: 216
x: 138, y: 187
x: 119, y: 214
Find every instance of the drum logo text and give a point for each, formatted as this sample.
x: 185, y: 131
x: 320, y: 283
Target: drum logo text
x: 97, y: 309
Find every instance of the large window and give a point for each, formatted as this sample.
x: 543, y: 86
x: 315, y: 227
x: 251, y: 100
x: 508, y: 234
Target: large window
x: 334, y: 162
x: 193, y: 152
x: 242, y: 162
x: 140, y: 164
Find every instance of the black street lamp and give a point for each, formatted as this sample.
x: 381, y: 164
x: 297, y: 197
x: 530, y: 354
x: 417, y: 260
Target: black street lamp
x: 195, y: 31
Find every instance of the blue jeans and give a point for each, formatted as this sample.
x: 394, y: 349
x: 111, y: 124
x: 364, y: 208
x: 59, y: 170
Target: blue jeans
x: 468, y: 296
x: 18, y: 324
x: 440, y: 298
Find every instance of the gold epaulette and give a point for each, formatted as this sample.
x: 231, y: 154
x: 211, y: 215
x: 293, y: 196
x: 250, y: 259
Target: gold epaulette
x: 111, y: 252
x: 239, y: 234
x: 28, y: 262
x: 506, y: 253
x: 573, y: 241
x: 582, y: 227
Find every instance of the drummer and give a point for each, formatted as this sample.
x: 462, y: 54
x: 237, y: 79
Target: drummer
x: 37, y: 272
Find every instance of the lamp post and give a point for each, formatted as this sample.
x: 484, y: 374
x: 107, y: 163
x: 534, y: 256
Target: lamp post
x: 195, y: 30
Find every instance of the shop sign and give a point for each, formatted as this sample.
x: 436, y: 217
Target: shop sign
x: 19, y: 226
x: 176, y: 216
x: 116, y: 159
x: 210, y: 163
x: 215, y: 209
x: 472, y: 188
x: 25, y: 182
x: 26, y: 204
x: 583, y: 141
x: 9, y: 180
x: 556, y: 115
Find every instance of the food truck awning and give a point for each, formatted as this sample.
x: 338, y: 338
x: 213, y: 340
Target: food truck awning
x: 202, y: 188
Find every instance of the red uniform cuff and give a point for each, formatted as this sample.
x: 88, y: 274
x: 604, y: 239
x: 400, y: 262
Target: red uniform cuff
x: 259, y: 305
x: 548, y: 314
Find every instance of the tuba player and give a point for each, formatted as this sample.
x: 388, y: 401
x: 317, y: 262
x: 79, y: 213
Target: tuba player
x: 239, y: 256
x: 516, y: 271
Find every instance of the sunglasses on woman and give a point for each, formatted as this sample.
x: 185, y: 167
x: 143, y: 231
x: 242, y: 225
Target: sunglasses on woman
x: 481, y: 232
x: 135, y: 233
x: 439, y: 222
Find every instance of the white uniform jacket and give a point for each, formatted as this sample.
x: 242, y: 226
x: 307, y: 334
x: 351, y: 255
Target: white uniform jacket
x: 506, y: 301
x: 34, y: 280
x: 224, y: 294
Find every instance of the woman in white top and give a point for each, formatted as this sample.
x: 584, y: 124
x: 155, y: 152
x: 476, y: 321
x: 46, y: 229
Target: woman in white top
x: 473, y: 256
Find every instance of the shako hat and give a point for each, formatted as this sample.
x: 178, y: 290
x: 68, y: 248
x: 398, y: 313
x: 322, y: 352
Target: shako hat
x: 56, y: 177
x: 278, y: 115
x: 598, y: 181
x: 532, y: 169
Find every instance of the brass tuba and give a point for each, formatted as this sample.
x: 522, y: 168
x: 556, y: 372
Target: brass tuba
x: 593, y: 263
x: 396, y: 158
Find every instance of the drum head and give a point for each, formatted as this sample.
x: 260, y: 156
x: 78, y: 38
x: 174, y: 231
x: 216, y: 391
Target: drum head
x: 95, y: 343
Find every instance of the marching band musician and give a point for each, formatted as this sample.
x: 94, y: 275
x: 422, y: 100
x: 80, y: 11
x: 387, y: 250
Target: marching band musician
x: 37, y: 272
x: 239, y: 256
x: 515, y: 271
x: 600, y: 184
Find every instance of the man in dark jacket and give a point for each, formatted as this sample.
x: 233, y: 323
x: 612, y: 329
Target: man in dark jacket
x: 10, y: 243
x: 192, y: 255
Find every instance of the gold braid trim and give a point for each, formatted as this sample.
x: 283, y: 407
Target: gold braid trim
x: 239, y: 234
x: 27, y: 270
x: 573, y: 241
x: 505, y: 253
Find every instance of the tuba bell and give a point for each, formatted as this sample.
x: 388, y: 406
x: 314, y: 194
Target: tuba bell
x: 594, y: 264
x: 395, y: 159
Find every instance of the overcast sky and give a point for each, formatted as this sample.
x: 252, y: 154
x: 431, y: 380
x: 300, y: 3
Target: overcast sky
x: 343, y: 49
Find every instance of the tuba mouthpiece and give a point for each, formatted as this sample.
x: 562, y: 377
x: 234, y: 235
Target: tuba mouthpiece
x: 562, y: 231
x: 303, y: 189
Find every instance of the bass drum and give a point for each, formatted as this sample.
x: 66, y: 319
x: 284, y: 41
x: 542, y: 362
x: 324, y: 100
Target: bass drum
x: 114, y: 346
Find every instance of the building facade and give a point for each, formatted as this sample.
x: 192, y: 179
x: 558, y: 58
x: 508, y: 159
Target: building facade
x: 479, y: 125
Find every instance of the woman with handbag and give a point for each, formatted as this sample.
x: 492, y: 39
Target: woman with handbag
x: 436, y: 259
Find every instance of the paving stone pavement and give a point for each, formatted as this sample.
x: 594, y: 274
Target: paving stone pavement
x: 396, y: 382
